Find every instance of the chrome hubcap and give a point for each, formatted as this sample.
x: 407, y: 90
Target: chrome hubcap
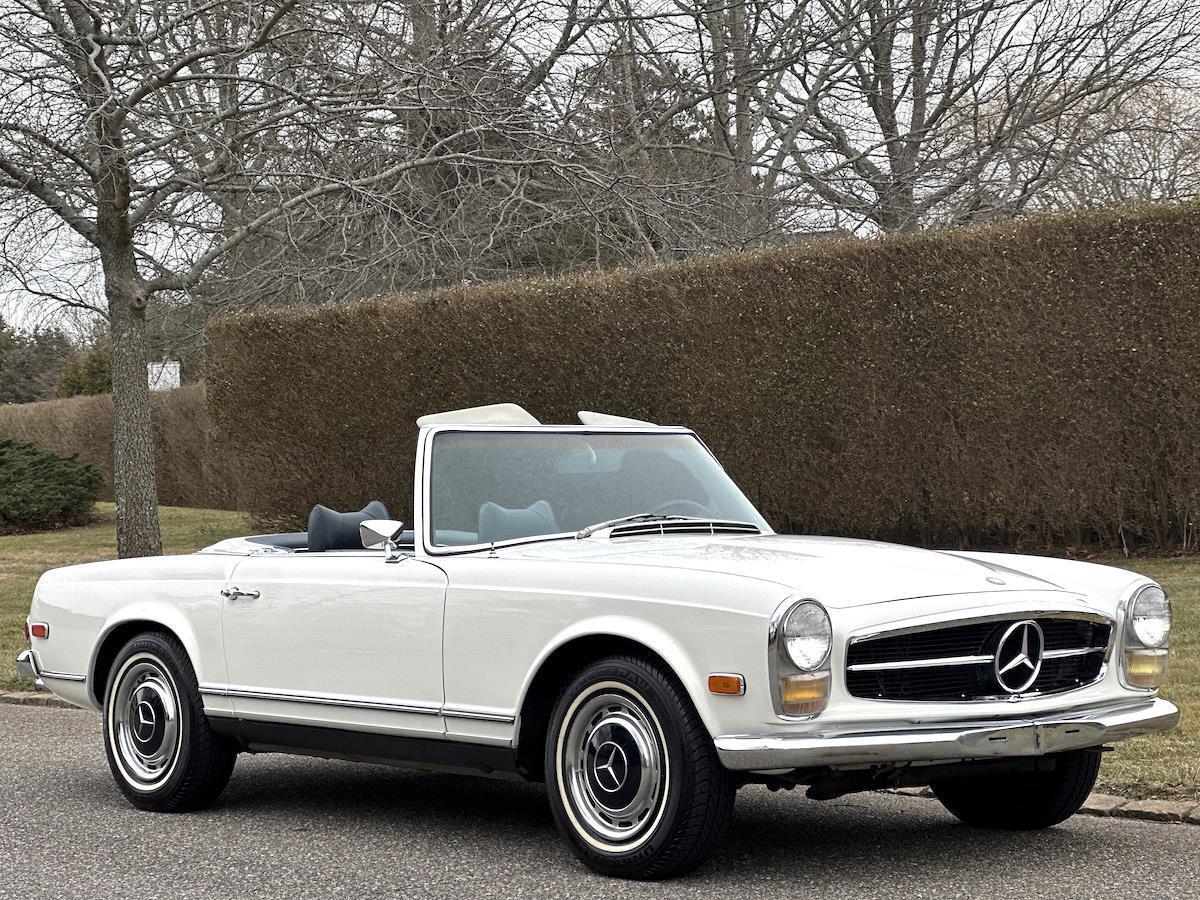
x: 613, y: 765
x: 144, y: 718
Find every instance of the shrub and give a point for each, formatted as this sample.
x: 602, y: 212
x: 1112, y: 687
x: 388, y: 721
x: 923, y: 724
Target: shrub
x: 1032, y: 383
x: 190, y: 466
x: 40, y: 489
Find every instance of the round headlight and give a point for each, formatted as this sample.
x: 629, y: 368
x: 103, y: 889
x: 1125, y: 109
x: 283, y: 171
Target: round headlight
x: 807, y: 635
x: 1150, y: 616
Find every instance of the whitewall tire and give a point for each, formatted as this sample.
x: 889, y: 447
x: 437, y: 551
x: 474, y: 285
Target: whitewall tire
x: 162, y: 753
x: 632, y: 776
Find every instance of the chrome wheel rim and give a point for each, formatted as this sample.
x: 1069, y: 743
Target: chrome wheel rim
x: 144, y: 721
x: 613, y: 767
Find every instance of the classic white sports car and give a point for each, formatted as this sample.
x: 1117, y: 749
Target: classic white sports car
x: 600, y: 607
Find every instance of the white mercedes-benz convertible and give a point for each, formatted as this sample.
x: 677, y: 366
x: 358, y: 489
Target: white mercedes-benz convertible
x: 600, y: 607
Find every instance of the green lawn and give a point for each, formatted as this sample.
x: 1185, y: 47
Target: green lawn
x: 1157, y: 766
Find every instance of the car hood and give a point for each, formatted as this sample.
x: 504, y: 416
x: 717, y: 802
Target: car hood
x: 841, y: 572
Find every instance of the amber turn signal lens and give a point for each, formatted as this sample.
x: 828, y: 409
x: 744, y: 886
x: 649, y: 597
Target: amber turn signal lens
x: 727, y: 684
x: 1145, y: 668
x: 804, y: 695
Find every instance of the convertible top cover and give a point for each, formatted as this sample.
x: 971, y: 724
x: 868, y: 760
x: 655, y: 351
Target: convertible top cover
x: 512, y: 414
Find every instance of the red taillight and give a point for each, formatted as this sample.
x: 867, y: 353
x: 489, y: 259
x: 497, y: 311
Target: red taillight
x: 38, y: 630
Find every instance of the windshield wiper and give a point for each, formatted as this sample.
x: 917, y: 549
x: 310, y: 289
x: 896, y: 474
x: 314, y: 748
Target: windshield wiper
x: 636, y: 517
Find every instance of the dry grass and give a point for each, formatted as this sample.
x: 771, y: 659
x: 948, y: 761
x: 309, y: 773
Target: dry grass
x: 1167, y: 765
x: 1157, y: 766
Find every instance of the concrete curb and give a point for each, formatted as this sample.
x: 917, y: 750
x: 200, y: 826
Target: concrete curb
x: 35, y: 698
x: 1185, y: 811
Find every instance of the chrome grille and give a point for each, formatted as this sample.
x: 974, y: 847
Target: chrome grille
x: 957, y: 660
x: 668, y: 527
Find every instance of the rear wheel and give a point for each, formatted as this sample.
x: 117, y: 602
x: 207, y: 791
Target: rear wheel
x: 1023, y: 800
x: 634, y: 781
x: 161, y: 750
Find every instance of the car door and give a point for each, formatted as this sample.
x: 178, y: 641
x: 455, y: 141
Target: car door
x: 336, y: 639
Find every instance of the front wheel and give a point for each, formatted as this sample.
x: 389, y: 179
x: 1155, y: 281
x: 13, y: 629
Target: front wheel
x: 634, y: 782
x: 163, y: 755
x: 1023, y: 800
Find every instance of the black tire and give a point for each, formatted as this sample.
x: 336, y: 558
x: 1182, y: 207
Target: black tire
x: 1023, y: 800
x: 663, y: 778
x: 162, y: 753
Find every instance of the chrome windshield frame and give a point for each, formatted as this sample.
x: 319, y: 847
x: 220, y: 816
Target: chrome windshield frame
x: 422, y: 487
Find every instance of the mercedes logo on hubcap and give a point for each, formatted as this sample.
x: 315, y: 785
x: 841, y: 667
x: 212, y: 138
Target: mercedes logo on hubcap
x: 611, y: 767
x: 143, y: 727
x: 1019, y: 656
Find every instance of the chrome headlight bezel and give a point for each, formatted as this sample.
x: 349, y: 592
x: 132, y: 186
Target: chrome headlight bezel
x: 1144, y: 656
x: 800, y: 685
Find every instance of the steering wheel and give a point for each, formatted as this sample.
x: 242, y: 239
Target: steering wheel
x: 684, y: 507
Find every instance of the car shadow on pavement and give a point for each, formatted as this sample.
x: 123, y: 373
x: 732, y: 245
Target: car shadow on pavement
x: 855, y: 837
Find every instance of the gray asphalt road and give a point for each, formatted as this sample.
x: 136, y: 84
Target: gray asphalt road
x: 296, y: 827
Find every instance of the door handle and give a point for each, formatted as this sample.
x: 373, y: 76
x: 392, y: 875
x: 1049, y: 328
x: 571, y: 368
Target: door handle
x: 232, y: 593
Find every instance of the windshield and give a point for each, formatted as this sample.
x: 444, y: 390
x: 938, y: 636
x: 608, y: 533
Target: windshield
x: 497, y: 486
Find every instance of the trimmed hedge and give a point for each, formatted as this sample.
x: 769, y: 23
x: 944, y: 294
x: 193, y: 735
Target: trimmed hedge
x: 40, y: 489
x: 192, y: 469
x: 1034, y: 383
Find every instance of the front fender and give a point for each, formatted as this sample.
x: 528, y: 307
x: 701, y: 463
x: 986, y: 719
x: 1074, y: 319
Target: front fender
x: 655, y: 638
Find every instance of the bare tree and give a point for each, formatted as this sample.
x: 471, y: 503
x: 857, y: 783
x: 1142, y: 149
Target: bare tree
x: 1145, y: 149
x: 920, y: 111
x: 885, y: 115
x: 164, y: 136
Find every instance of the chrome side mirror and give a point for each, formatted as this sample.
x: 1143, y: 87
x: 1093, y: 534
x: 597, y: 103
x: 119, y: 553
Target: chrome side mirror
x: 382, y: 534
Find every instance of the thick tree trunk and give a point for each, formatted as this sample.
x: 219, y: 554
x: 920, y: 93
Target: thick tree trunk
x: 897, y: 208
x: 133, y: 442
x: 133, y: 445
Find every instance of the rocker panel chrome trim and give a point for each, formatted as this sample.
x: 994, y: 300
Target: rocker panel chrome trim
x: 453, y: 712
x: 482, y: 715
x: 255, y: 694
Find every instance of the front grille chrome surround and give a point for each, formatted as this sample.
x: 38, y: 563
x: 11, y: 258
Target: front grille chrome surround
x: 955, y: 660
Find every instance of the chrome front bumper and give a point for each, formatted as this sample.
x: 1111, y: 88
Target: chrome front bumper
x: 948, y: 740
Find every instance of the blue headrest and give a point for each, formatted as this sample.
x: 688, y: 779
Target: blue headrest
x: 332, y: 530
